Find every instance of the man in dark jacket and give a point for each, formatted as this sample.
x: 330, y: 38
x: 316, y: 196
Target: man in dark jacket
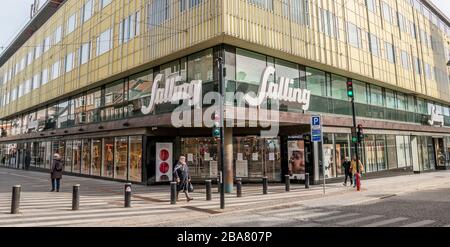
x: 183, y: 179
x: 27, y: 160
x: 56, y: 172
x: 348, y: 173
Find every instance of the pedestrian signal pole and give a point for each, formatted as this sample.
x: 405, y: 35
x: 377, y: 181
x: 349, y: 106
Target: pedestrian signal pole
x: 355, y: 139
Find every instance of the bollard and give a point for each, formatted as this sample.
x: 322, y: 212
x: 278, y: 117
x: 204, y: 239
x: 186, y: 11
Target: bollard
x: 307, y: 181
x: 76, y: 197
x: 218, y: 185
x: 15, y: 201
x: 173, y: 192
x: 288, y: 182
x: 239, y: 187
x: 264, y: 185
x: 208, y: 189
x: 128, y: 195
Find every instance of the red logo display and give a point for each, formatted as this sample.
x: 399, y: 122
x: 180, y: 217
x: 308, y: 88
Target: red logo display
x: 164, y: 167
x: 163, y: 154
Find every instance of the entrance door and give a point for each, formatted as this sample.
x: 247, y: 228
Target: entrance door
x: 439, y: 152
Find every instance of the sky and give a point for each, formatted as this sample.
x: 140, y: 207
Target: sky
x: 14, y: 14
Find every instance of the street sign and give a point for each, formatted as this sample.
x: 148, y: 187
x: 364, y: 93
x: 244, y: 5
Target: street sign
x: 316, y: 129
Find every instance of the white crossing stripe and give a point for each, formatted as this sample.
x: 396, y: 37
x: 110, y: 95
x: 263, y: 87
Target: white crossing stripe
x: 336, y: 217
x: 315, y: 215
x: 420, y: 223
x: 386, y: 222
x: 349, y: 222
x: 446, y: 225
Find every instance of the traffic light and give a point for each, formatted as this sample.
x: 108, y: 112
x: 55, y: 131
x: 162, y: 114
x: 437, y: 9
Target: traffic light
x: 216, y: 127
x: 350, y: 93
x: 354, y: 135
x: 360, y: 133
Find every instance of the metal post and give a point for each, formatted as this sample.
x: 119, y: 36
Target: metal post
x: 222, y: 134
x: 15, y: 201
x: 306, y: 180
x: 208, y: 190
x: 76, y: 197
x: 288, y: 182
x: 264, y: 179
x: 356, y: 143
x: 218, y: 184
x: 128, y: 195
x: 239, y: 187
x: 173, y: 192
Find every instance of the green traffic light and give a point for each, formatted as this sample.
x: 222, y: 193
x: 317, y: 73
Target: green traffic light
x: 350, y: 93
x: 354, y: 139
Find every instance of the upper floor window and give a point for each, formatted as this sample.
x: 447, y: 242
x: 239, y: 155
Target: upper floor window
x: 266, y: 4
x: 44, y: 77
x: 71, y: 23
x: 300, y: 11
x: 57, y: 35
x: 104, y: 3
x: 47, y: 43
x: 30, y: 57
x: 55, y: 70
x: 371, y: 5
x: 405, y: 59
x: 129, y: 27
x: 104, y: 42
x: 329, y: 23
x: 353, y: 35
x: 159, y: 11
x: 36, y: 80
x: 87, y: 10
x: 69, y: 62
x: 85, y: 52
x: 387, y: 12
x: 390, y: 55
x: 374, y: 45
x: 37, y: 51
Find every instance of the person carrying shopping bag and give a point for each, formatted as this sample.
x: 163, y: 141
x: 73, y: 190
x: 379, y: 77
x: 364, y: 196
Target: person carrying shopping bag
x: 183, y: 178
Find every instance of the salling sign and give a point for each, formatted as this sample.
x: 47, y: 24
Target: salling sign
x: 282, y: 91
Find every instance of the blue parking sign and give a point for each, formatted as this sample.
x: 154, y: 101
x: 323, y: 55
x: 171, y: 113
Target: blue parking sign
x: 316, y: 129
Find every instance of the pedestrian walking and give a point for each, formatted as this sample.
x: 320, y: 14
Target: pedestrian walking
x: 347, y: 171
x: 27, y: 160
x: 56, y: 172
x: 354, y: 169
x: 183, y: 178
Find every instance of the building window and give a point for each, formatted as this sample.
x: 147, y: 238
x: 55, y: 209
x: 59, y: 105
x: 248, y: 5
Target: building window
x: 390, y: 99
x: 30, y: 57
x: 114, y: 97
x: 55, y: 70
x: 121, y: 158
x: 93, y: 103
x: 390, y: 56
x: 329, y: 23
x: 44, y: 79
x: 86, y: 156
x: 129, y: 27
x: 87, y: 10
x: 57, y: 35
x: 104, y: 42
x: 47, y: 44
x: 27, y: 86
x: 108, y: 164
x: 418, y: 65
x: 71, y: 23
x: 300, y: 11
x: 376, y: 96
x: 374, y: 45
x: 96, y: 155
x: 85, y: 52
x: 69, y: 62
x: 315, y: 81
x: 36, y: 81
x: 200, y: 66
x: 135, y: 158
x: 159, y: 12
x: 62, y: 114
x: 353, y: 35
x: 371, y: 5
x: 104, y: 3
x: 249, y: 68
x: 405, y: 60
x: 38, y: 51
x: 265, y: 4
x: 387, y: 12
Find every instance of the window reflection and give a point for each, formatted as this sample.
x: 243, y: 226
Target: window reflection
x: 121, y: 157
x: 108, y: 158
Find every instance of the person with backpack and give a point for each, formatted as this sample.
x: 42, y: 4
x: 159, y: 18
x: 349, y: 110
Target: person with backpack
x: 56, y: 172
x: 182, y: 177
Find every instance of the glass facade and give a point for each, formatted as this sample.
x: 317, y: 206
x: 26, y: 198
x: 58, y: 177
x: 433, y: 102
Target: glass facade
x: 122, y: 157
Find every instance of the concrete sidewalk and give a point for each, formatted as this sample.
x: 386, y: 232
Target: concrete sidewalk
x: 101, y: 201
